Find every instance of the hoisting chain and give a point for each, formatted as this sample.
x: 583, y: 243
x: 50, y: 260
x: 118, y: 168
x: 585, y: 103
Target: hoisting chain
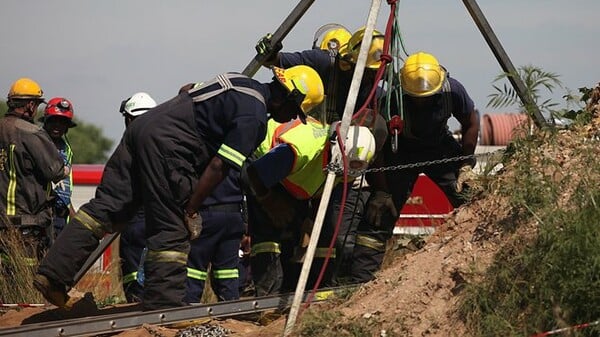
x: 334, y: 167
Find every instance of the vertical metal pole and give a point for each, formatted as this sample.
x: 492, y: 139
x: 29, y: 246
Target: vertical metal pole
x: 329, y: 182
x: 504, y: 60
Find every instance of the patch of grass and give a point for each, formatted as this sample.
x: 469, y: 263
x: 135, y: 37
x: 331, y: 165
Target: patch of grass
x: 330, y: 323
x: 552, y: 279
x: 18, y: 268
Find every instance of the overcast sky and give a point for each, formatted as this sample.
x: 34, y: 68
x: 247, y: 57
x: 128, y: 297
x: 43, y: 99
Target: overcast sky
x: 97, y: 53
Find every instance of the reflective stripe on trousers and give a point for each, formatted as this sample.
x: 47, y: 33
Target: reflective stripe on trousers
x: 265, y: 247
x: 367, y: 241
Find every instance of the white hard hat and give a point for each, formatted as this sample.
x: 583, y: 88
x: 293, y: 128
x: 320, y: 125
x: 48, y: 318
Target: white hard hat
x: 137, y: 104
x: 359, y: 149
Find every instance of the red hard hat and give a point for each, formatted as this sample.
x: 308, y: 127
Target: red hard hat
x: 59, y: 106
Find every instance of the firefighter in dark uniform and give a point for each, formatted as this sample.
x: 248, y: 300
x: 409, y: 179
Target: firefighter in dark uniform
x: 334, y: 59
x: 169, y: 161
x: 218, y: 245
x: 29, y: 163
x: 226, y: 198
x: 132, y: 241
x: 430, y: 97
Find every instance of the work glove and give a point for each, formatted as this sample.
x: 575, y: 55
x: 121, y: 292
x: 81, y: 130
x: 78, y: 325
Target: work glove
x: 465, y: 175
x: 193, y: 223
x: 279, y: 207
x: 379, y: 204
x: 265, y: 48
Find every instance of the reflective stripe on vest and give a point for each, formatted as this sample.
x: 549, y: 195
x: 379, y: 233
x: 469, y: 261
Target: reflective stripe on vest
x: 12, y: 183
x: 267, y: 144
x: 64, y: 194
x: 224, y: 274
x: 369, y: 242
x: 70, y: 163
x: 309, y: 142
x: 265, y: 247
x: 196, y: 274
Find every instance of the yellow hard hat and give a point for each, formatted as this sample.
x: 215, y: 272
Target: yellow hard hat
x: 25, y: 88
x: 303, y: 84
x: 422, y: 75
x: 336, y: 39
x: 375, y: 51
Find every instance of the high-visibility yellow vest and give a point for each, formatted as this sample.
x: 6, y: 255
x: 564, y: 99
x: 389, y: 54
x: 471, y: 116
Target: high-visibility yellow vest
x: 311, y: 149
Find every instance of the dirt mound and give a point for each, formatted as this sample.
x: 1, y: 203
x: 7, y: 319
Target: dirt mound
x: 417, y: 295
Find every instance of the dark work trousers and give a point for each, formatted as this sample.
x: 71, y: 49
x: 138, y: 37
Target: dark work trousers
x: 354, y: 209
x: 59, y: 221
x: 158, y: 161
x: 369, y: 248
x: 292, y: 275
x: 272, y: 247
x: 217, y: 246
x: 371, y: 240
x: 131, y: 248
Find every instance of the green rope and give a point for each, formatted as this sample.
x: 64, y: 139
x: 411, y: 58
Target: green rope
x: 394, y: 88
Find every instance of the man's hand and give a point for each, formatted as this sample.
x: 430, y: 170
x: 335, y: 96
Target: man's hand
x: 266, y: 49
x: 379, y: 204
x: 465, y: 175
x: 246, y: 245
x: 193, y: 222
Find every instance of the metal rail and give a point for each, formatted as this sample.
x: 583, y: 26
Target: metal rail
x: 113, y: 323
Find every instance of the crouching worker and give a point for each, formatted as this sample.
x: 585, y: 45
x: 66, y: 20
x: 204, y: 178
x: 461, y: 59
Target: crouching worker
x: 285, y: 182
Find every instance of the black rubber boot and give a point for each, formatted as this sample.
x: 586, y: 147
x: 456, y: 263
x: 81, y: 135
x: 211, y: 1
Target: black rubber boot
x: 53, y: 292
